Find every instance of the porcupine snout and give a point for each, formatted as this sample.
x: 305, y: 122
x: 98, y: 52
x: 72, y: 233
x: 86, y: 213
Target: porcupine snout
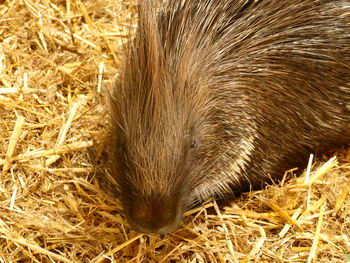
x: 155, y: 215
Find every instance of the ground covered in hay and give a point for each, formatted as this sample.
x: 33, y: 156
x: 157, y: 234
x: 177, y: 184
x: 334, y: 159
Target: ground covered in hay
x: 56, y: 57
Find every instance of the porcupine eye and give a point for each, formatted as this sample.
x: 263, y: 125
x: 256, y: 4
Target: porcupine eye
x: 192, y: 139
x: 192, y: 142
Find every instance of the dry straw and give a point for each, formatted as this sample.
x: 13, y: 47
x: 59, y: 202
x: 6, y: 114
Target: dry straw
x: 56, y: 57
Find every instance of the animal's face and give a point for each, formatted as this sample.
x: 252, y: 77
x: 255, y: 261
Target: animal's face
x: 153, y: 162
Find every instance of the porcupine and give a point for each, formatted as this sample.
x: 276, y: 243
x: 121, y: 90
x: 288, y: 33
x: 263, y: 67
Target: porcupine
x: 216, y: 97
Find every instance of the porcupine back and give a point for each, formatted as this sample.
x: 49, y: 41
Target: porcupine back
x: 221, y: 96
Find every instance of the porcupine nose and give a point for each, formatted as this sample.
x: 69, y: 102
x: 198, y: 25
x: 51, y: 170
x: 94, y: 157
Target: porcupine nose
x: 153, y: 216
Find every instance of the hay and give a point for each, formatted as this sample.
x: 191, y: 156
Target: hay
x: 55, y: 58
